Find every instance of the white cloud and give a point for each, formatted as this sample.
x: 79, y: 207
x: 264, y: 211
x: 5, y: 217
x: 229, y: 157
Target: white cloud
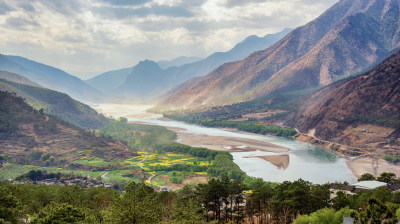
x: 101, y: 35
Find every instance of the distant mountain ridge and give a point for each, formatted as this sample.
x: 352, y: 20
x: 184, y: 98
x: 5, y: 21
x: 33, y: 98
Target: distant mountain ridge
x: 177, y: 62
x: 175, y: 76
x: 50, y: 77
x: 348, y: 37
x: 142, y: 81
x: 108, y: 81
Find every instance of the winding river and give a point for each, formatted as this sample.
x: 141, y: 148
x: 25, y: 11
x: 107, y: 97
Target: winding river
x: 303, y: 160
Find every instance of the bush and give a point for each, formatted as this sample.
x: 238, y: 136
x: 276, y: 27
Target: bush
x: 325, y: 216
x: 46, y: 156
x: 335, y: 148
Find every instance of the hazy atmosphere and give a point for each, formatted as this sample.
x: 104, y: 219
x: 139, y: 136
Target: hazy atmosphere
x: 199, y: 111
x: 89, y: 37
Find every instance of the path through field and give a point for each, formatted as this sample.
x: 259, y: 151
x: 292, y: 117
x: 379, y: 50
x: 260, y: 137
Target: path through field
x: 104, y: 175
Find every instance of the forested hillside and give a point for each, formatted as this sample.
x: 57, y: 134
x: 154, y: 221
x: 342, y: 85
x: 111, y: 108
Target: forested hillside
x: 57, y: 104
x: 26, y: 134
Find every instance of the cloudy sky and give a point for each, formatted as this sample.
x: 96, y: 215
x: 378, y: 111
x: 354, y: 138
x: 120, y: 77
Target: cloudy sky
x: 88, y: 37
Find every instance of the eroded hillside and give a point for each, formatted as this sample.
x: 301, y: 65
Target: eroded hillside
x: 355, y: 112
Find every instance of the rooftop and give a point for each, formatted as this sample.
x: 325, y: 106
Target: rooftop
x: 370, y: 184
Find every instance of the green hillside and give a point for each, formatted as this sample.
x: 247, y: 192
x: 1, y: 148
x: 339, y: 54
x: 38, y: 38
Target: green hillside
x: 57, y: 104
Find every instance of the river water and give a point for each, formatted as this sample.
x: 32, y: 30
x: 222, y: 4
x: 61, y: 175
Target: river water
x: 307, y: 162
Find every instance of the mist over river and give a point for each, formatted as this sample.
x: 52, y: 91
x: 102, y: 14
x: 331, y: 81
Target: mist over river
x: 304, y: 161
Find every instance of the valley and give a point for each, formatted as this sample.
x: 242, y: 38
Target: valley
x: 203, y: 111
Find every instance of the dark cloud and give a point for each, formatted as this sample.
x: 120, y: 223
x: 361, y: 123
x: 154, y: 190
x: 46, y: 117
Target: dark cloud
x: 159, y: 10
x: 121, y: 13
x: 189, y: 4
x: 27, y: 6
x: 65, y: 7
x: 5, y: 8
x: 20, y: 24
x: 171, y: 11
x: 126, y: 2
x: 233, y: 3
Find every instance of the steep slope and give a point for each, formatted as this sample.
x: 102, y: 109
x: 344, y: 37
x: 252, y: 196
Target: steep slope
x: 23, y: 130
x: 372, y: 98
x: 17, y: 78
x: 108, y: 81
x: 57, y: 104
x: 71, y: 85
x: 345, y: 39
x: 143, y: 80
x: 178, y: 88
x: 178, y: 62
x: 177, y: 75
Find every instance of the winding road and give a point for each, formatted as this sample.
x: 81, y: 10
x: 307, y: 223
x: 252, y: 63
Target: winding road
x: 141, y: 162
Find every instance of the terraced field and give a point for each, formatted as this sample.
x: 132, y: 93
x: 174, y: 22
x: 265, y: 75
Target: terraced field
x: 12, y: 171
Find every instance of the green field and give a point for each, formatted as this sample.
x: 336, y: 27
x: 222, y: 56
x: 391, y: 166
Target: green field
x: 11, y: 171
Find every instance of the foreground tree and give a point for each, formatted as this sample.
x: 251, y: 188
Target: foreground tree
x: 366, y: 176
x: 9, y: 207
x: 387, y: 177
x: 59, y: 214
x: 138, y: 205
x: 376, y: 213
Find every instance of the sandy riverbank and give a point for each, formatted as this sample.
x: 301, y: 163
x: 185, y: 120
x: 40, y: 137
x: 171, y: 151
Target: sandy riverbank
x: 364, y: 165
x: 223, y: 143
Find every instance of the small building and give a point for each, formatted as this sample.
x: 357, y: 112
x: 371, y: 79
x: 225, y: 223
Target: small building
x: 165, y: 188
x: 108, y: 186
x: 362, y: 186
x: 369, y: 184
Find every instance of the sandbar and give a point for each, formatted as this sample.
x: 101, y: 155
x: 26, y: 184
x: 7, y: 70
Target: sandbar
x: 227, y: 144
x: 280, y: 161
x: 364, y: 165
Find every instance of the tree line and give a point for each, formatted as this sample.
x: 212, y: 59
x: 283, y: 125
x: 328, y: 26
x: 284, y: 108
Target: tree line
x: 220, y: 200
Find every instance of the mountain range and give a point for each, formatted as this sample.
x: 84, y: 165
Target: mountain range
x: 345, y: 39
x: 177, y: 62
x: 174, y: 76
x: 50, y: 77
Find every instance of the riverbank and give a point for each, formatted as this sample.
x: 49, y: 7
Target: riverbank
x: 359, y: 160
x: 364, y: 165
x: 222, y: 143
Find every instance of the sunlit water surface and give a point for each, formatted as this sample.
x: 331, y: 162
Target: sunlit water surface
x: 308, y: 162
